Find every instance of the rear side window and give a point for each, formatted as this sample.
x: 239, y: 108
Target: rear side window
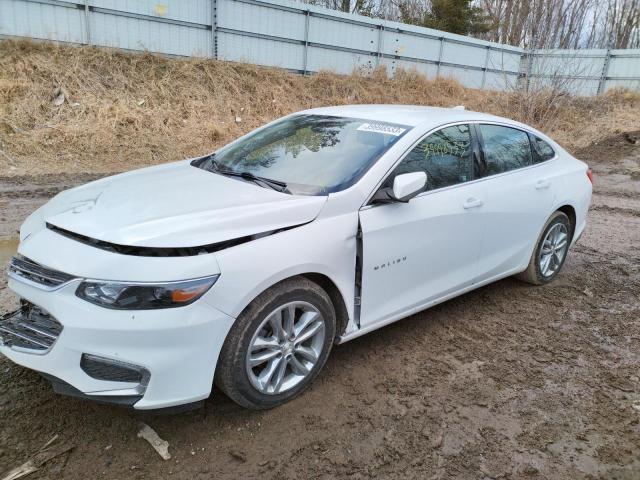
x: 504, y: 149
x: 542, y: 151
x: 445, y: 156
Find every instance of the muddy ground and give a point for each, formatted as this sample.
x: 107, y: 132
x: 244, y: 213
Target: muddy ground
x: 509, y: 381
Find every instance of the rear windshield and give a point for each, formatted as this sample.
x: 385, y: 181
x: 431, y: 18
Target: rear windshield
x: 312, y: 154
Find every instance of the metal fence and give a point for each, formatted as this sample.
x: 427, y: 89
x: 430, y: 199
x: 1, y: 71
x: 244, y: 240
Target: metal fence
x: 307, y: 39
x: 587, y: 72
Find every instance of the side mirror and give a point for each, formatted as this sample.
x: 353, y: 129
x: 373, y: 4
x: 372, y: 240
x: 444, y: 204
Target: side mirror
x: 408, y: 185
x: 405, y: 187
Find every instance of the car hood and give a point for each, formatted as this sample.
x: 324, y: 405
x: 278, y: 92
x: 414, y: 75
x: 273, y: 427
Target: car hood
x: 173, y: 205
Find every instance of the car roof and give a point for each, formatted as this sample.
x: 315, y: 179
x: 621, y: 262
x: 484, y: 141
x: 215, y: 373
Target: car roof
x: 410, y: 115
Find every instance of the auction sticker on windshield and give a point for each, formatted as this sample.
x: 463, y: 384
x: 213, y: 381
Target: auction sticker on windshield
x: 382, y: 128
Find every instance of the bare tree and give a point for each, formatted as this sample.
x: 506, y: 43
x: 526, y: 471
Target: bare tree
x: 565, y: 23
x: 619, y: 26
x: 532, y: 24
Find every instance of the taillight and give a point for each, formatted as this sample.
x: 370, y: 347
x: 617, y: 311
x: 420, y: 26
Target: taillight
x: 590, y: 175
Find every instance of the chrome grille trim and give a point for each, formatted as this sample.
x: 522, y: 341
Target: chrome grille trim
x: 24, y: 269
x: 40, y: 331
x: 23, y: 338
x: 29, y: 329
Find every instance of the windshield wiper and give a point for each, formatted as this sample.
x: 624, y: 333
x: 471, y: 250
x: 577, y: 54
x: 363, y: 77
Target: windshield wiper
x: 274, y: 184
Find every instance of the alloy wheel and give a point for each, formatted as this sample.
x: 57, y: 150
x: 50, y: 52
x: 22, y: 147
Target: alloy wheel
x: 285, y: 347
x: 554, y: 249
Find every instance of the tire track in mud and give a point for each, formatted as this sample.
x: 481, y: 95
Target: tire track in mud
x: 621, y: 210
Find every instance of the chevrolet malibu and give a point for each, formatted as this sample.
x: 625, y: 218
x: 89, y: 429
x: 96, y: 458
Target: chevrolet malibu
x: 242, y: 268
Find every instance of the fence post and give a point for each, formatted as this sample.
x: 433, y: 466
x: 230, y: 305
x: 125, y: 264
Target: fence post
x: 306, y: 41
x: 380, y: 38
x: 486, y: 64
x: 440, y: 56
x: 605, y: 72
x: 527, y: 73
x: 87, y: 26
x: 214, y: 29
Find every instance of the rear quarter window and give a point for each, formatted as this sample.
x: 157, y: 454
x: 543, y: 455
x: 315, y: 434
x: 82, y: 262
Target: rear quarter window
x: 542, y: 151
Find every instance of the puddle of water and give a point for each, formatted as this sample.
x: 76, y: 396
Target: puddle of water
x: 8, y: 248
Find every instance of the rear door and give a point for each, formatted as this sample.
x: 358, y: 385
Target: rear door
x: 520, y: 191
x: 420, y: 251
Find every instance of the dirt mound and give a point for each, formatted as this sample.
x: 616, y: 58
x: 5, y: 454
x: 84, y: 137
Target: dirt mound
x: 83, y: 109
x: 611, y: 149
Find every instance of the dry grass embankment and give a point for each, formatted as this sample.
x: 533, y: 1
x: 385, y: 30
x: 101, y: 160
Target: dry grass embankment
x: 122, y: 110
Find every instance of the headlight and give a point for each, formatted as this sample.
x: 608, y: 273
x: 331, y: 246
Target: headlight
x: 144, y: 296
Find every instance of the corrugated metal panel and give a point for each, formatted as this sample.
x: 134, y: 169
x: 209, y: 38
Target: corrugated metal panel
x: 428, y: 69
x: 468, y: 78
x: 624, y: 64
x: 576, y: 85
x: 628, y: 52
x: 584, y: 87
x: 194, y: 11
x: 464, y: 54
x: 630, y: 84
x: 241, y: 48
x: 500, y: 81
x: 506, y: 61
x: 395, y: 43
x: 330, y: 32
x: 37, y: 20
x: 137, y: 34
x: 259, y: 19
x: 574, y: 64
x: 339, y: 62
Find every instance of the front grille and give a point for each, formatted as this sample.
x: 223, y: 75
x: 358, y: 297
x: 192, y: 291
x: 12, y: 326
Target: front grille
x: 29, y: 328
x: 28, y: 269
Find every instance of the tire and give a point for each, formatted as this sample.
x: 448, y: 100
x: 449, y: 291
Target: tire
x: 534, y: 274
x: 256, y: 326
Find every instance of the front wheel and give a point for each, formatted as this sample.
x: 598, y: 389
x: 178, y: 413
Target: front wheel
x: 550, y: 252
x: 278, y: 345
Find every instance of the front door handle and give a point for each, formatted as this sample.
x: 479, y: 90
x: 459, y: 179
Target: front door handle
x: 472, y: 203
x: 542, y: 184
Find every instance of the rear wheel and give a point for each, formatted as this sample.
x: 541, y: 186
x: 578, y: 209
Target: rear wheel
x: 278, y: 345
x: 550, y: 252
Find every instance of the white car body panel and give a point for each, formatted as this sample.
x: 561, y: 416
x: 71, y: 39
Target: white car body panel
x: 514, y: 211
x: 167, y: 344
x: 85, y: 261
x: 144, y: 208
x: 402, y: 241
x: 448, y: 241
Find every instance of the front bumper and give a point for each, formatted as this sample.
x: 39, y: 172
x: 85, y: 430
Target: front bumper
x: 178, y: 347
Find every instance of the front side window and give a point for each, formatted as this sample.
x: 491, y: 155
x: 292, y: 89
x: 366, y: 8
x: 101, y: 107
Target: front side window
x: 311, y: 154
x: 504, y: 148
x: 445, y: 156
x: 542, y: 151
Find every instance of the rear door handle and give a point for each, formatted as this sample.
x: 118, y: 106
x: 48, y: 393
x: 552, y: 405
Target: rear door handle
x: 542, y: 184
x: 472, y: 203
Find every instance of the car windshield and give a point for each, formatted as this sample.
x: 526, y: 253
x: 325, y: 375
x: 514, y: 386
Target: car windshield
x: 311, y: 154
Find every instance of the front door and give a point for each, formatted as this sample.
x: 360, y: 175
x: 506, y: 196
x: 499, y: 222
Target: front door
x: 417, y: 252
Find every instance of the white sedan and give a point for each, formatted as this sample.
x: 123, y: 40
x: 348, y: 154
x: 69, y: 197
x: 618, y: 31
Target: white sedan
x: 243, y: 267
